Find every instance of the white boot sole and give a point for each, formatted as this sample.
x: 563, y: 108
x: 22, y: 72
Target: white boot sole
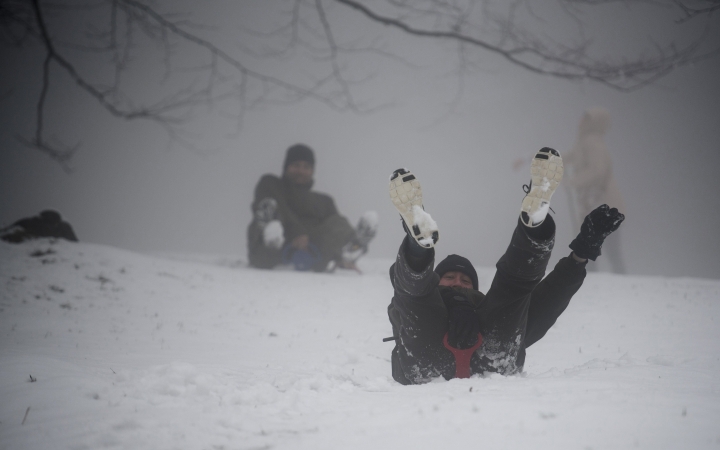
x: 406, y: 195
x: 546, y: 171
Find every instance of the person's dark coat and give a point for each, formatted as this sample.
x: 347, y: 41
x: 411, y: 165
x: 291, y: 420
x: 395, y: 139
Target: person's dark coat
x: 517, y: 311
x: 301, y: 211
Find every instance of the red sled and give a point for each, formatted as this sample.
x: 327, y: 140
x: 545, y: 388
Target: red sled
x: 462, y: 357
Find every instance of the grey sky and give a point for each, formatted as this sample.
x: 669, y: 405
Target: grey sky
x: 130, y: 190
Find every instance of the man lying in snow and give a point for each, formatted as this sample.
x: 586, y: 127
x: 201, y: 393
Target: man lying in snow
x: 443, y: 326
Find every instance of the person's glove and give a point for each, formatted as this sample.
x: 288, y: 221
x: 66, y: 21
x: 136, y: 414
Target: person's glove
x: 463, y: 324
x: 597, y: 225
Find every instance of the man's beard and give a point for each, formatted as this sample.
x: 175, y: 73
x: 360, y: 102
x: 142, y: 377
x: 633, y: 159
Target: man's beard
x: 299, y: 181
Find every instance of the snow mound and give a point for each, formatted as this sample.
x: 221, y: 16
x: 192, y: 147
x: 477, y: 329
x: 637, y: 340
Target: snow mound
x: 103, y: 348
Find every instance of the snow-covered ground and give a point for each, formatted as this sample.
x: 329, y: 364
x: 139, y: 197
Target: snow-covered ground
x: 103, y: 348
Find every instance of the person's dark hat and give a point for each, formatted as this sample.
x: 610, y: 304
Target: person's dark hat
x: 299, y: 152
x: 456, y: 263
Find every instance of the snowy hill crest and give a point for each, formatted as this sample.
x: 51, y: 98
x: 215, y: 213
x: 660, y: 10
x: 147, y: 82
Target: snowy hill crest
x: 134, y: 351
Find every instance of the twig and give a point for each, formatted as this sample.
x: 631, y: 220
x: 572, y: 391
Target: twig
x: 26, y: 414
x: 533, y: 56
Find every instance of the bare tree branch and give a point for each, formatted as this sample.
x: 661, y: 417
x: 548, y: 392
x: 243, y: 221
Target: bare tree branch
x: 62, y: 156
x: 182, y: 101
x: 570, y: 63
x: 333, y: 55
x: 101, y: 62
x: 701, y: 8
x: 690, y: 12
x: 223, y: 56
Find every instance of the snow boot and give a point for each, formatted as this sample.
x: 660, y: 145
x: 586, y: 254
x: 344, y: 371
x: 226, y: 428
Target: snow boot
x: 364, y: 233
x: 546, y: 171
x: 406, y: 195
x: 366, y: 228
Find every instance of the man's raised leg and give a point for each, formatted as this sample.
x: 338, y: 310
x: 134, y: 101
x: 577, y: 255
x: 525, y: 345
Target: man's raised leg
x: 521, y: 268
x: 417, y: 312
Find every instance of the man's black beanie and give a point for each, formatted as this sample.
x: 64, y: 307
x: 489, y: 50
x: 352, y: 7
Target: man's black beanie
x: 456, y: 263
x: 298, y: 152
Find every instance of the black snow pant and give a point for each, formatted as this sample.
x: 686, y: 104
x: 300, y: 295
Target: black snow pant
x: 516, y: 312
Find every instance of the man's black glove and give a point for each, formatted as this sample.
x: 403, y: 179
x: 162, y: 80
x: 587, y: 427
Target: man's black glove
x: 463, y: 323
x: 595, y: 228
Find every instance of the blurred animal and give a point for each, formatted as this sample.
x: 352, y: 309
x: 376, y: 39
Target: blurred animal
x: 48, y: 223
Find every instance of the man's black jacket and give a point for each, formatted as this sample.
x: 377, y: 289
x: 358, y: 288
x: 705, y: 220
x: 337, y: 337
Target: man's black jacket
x: 519, y: 309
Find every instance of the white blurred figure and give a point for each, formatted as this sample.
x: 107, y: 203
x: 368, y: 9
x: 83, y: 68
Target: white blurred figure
x: 590, y: 177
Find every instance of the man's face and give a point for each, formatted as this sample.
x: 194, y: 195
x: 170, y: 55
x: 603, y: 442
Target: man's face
x: 300, y: 172
x: 456, y: 279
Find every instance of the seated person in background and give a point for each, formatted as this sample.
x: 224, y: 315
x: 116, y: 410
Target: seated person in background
x: 48, y: 223
x: 294, y: 225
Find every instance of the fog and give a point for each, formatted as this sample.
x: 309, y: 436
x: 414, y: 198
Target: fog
x: 132, y: 189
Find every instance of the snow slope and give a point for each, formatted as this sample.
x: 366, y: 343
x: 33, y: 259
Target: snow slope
x: 136, y: 352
